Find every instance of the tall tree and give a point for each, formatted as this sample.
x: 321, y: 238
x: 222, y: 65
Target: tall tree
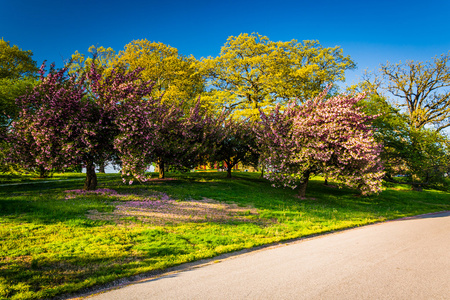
x: 18, y: 72
x: 252, y: 72
x: 332, y: 137
x: 102, y: 58
x: 15, y: 62
x: 175, y: 76
x: 423, y: 88
x: 422, y: 155
x: 80, y: 63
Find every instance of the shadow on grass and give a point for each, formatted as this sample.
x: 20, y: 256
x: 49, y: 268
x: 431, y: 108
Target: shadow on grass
x: 76, y: 252
x: 45, y: 203
x: 48, y: 277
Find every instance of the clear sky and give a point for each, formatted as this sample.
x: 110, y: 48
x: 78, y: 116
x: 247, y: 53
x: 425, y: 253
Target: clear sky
x: 371, y: 32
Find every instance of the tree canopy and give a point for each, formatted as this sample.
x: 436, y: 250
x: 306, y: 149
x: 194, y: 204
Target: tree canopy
x: 332, y: 137
x: 18, y: 72
x: 252, y: 72
x: 104, y: 58
x: 66, y: 121
x: 422, y: 155
x: 15, y: 62
x: 175, y: 75
x: 423, y: 88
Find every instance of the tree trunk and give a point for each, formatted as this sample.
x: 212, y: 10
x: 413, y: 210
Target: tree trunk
x: 326, y: 180
x: 90, y: 183
x: 228, y: 171
x: 229, y: 168
x: 302, y: 186
x: 101, y: 168
x: 43, y: 173
x: 262, y: 171
x: 162, y: 173
x: 417, y: 187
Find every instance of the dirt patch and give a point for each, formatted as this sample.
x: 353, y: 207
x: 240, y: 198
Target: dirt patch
x: 305, y: 198
x: 161, y: 210
x: 160, y: 179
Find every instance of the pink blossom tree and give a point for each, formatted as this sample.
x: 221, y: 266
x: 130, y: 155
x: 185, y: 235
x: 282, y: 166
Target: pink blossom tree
x: 67, y: 121
x: 89, y: 118
x: 194, y: 135
x: 168, y: 135
x: 47, y: 133
x: 332, y: 137
x: 123, y: 100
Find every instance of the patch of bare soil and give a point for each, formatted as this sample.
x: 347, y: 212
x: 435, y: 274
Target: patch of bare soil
x: 305, y: 198
x: 168, y: 211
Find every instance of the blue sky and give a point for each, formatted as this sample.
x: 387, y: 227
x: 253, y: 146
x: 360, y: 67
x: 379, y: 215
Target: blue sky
x: 371, y: 32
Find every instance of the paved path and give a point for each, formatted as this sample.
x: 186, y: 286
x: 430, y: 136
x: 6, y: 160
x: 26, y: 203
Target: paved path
x: 404, y: 259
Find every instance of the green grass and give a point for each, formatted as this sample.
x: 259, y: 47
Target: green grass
x: 53, y: 243
x: 31, y: 178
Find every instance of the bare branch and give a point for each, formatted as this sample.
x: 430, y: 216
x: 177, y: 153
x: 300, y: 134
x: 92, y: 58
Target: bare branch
x: 422, y: 86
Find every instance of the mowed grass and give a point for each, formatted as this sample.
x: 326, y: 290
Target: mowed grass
x: 54, y: 242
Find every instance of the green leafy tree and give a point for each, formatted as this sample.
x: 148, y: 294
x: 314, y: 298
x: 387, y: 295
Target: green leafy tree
x: 175, y: 76
x: 18, y: 72
x: 420, y: 154
x: 238, y: 145
x: 423, y: 90
x: 15, y: 62
x: 102, y: 58
x: 253, y: 73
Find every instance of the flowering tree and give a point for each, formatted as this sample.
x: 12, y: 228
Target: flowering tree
x: 330, y: 136
x: 166, y: 134
x: 67, y: 121
x: 92, y: 117
x: 189, y: 137
x: 47, y: 133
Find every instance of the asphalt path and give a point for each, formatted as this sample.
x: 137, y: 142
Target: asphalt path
x: 402, y: 259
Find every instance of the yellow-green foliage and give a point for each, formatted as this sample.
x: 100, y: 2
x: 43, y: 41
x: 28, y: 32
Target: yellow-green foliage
x: 103, y: 58
x: 174, y: 75
x: 253, y: 73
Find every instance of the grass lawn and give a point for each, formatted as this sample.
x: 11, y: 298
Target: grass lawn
x: 55, y: 239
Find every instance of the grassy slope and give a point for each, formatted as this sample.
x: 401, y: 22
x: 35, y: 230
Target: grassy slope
x: 48, y: 246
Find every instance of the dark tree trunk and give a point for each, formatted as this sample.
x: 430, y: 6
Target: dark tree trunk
x: 262, y: 171
x: 101, y: 168
x: 229, y: 168
x: 417, y: 187
x: 90, y: 183
x: 228, y: 171
x: 162, y: 173
x: 302, y: 186
x: 43, y: 173
x: 326, y: 180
